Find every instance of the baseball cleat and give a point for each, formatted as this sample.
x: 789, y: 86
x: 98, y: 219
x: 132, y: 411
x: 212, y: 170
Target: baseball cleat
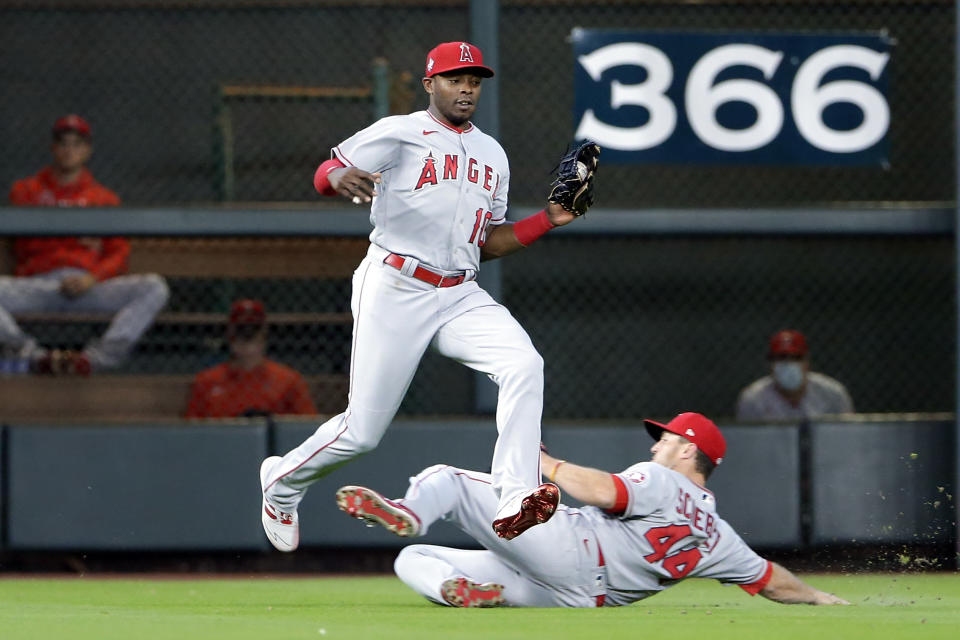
x: 368, y: 505
x: 536, y: 508
x: 461, y: 592
x: 61, y: 362
x: 282, y: 528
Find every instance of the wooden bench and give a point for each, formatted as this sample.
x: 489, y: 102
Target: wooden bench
x: 125, y: 398
x: 234, y: 258
x: 188, y: 318
x: 151, y: 397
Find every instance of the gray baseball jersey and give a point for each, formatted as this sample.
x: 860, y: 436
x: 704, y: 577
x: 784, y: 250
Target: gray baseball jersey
x: 440, y: 187
x: 669, y: 530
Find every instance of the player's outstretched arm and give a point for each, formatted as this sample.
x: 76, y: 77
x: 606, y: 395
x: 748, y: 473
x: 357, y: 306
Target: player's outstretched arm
x: 590, y: 486
x: 508, y: 237
x: 787, y: 588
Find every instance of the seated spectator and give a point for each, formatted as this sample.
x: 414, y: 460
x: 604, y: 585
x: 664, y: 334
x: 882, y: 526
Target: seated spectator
x: 249, y: 383
x: 791, y: 391
x: 74, y: 275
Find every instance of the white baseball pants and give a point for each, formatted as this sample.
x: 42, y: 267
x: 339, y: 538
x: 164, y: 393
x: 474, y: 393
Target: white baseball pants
x: 134, y: 299
x: 396, y: 318
x: 551, y: 565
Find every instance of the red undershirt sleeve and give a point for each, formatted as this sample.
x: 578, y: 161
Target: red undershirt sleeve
x: 756, y: 587
x: 620, y: 504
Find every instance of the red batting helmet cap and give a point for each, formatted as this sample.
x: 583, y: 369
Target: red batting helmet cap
x: 247, y: 312
x: 696, y: 428
x: 788, y: 343
x: 73, y: 123
x: 450, y: 56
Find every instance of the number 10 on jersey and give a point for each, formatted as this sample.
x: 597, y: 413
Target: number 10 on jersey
x: 479, y: 234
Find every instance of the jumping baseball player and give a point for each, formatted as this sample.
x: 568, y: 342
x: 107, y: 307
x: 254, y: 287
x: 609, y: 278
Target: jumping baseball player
x: 646, y: 529
x: 438, y: 188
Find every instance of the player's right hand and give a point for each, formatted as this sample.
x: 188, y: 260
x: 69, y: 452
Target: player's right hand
x: 354, y: 184
x: 74, y: 286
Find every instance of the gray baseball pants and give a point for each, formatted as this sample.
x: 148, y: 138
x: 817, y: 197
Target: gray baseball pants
x: 135, y: 300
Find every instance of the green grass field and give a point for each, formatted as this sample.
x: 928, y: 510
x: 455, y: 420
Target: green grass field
x: 885, y: 606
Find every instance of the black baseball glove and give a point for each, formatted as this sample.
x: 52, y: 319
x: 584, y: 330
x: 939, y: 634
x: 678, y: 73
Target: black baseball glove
x: 572, y: 189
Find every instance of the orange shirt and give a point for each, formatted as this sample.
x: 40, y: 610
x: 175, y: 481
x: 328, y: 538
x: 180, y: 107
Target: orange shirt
x: 102, y: 257
x: 224, y: 391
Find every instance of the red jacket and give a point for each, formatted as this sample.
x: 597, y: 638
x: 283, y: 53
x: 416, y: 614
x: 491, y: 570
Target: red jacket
x: 102, y: 257
x: 224, y: 391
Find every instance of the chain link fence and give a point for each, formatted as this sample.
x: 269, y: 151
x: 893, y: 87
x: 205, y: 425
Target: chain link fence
x: 632, y: 327
x: 921, y: 101
x: 237, y: 102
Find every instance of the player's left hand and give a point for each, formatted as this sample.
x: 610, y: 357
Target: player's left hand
x: 77, y: 285
x: 829, y: 599
x: 558, y: 215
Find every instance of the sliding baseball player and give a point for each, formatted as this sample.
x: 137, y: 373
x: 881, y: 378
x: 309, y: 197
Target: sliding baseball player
x: 645, y: 529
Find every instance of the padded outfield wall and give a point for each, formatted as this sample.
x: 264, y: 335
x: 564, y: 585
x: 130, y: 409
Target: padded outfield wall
x: 189, y: 487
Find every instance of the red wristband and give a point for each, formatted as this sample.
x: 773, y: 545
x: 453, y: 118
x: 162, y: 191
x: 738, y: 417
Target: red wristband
x: 320, y: 181
x: 531, y: 228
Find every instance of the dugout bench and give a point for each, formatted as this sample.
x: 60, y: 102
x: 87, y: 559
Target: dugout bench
x: 191, y: 329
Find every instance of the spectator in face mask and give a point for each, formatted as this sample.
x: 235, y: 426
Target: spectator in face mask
x: 791, y: 391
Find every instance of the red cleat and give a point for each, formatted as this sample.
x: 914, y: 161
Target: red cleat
x: 460, y: 592
x: 536, y: 508
x: 368, y: 505
x: 62, y: 362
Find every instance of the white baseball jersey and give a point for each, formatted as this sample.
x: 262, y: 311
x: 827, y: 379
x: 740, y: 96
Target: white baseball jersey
x: 762, y: 401
x: 440, y: 187
x: 669, y: 530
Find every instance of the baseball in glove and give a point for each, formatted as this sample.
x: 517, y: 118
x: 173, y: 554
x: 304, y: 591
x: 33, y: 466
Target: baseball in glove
x: 572, y: 188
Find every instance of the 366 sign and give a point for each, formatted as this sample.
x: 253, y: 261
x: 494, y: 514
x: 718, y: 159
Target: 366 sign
x: 742, y: 98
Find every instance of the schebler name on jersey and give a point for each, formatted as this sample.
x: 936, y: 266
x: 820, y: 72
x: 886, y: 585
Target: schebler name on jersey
x: 701, y: 520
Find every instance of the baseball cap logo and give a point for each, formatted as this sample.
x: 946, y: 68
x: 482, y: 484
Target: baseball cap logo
x: 465, y: 55
x: 429, y: 65
x: 691, y: 433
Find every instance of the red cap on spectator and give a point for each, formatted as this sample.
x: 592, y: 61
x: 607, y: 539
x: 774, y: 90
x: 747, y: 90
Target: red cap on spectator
x: 696, y: 428
x: 247, y: 312
x: 788, y: 343
x: 450, y: 56
x: 73, y: 123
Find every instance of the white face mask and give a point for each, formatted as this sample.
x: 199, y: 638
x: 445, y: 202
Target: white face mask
x: 789, y: 375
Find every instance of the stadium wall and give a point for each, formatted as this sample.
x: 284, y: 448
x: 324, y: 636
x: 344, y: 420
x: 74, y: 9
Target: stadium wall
x: 190, y: 487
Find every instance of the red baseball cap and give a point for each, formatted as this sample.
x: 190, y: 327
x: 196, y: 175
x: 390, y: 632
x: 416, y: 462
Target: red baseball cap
x: 247, y: 312
x: 450, y: 56
x: 696, y: 428
x: 73, y: 123
x: 788, y: 343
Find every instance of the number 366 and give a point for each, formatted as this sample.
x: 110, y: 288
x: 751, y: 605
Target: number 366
x: 703, y: 96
